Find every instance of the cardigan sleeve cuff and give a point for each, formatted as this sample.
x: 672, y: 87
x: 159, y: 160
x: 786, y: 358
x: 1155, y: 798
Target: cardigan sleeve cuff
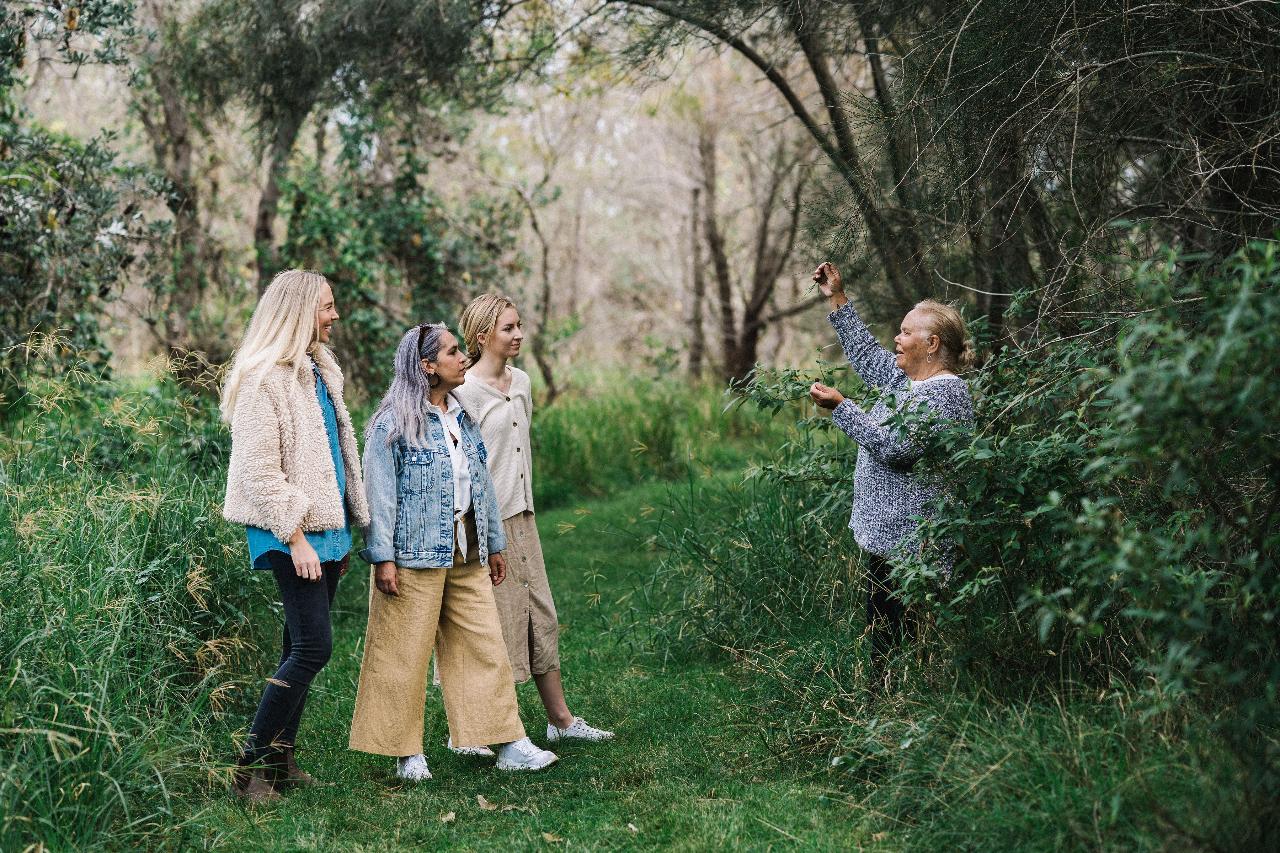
x: 844, y: 313
x: 291, y: 516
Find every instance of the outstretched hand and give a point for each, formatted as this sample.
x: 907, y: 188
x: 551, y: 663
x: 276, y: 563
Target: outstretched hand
x: 828, y: 280
x: 825, y: 396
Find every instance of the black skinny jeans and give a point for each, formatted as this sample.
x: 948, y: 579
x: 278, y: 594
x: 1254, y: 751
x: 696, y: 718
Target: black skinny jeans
x: 887, y: 617
x: 308, y: 643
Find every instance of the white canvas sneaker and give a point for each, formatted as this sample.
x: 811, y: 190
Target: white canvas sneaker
x: 523, y: 754
x: 413, y: 768
x: 579, y: 730
x: 479, y: 751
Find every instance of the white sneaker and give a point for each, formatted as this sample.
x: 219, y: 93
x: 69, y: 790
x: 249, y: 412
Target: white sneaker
x: 413, y: 768
x: 479, y: 751
x: 580, y: 729
x: 523, y: 754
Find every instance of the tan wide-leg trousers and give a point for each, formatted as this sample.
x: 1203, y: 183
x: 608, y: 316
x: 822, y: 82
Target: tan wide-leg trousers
x: 452, y: 609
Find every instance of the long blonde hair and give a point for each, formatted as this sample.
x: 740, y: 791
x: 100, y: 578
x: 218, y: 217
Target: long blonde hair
x: 481, y: 318
x: 281, y: 331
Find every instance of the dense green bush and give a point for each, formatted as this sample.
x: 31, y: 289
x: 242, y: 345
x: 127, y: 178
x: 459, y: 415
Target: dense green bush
x: 1117, y: 519
x: 397, y: 253
x: 70, y: 212
x: 1125, y: 500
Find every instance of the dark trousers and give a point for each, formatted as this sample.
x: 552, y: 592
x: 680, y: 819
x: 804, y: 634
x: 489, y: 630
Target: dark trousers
x: 887, y: 617
x: 308, y: 643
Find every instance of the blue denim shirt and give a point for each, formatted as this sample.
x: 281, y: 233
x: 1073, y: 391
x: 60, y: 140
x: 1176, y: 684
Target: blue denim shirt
x: 410, y: 491
x: 330, y: 545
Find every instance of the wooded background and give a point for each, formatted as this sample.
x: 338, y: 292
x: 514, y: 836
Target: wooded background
x: 1096, y: 184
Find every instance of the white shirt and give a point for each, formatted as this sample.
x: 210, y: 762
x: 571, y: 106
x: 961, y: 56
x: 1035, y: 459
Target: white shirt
x: 461, y: 470
x: 914, y: 382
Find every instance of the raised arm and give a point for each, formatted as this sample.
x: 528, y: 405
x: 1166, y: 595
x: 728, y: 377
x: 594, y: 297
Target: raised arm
x: 876, y: 365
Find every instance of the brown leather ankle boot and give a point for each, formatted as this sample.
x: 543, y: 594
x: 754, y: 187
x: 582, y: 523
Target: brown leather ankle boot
x: 286, y: 769
x: 254, y: 785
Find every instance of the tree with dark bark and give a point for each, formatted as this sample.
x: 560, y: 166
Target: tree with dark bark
x: 283, y: 59
x: 776, y: 181
x: 173, y: 125
x: 1003, y: 148
x: 809, y: 53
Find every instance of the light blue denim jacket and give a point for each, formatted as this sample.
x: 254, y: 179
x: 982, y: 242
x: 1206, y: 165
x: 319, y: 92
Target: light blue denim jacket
x: 410, y: 491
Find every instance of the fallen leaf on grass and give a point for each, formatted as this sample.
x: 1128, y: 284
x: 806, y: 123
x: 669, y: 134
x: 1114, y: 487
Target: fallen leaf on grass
x: 517, y: 809
x: 551, y: 837
x: 448, y: 817
x: 485, y: 804
x: 633, y: 828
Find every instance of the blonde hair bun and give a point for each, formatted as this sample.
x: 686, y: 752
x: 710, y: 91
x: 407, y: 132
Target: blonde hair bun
x: 947, y: 323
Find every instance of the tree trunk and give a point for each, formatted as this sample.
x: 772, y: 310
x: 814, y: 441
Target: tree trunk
x: 541, y: 352
x: 899, y: 249
x: 163, y: 114
x: 1010, y: 253
x: 697, y: 346
x: 772, y: 251
x: 715, y: 245
x: 286, y: 135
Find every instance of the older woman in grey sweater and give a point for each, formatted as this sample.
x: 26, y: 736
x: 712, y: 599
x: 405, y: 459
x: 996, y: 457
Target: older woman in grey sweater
x: 889, y: 498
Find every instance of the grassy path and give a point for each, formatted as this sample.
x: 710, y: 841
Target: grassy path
x: 684, y: 772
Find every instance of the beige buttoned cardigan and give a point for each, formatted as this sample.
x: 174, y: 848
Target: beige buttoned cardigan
x: 281, y: 475
x: 504, y: 423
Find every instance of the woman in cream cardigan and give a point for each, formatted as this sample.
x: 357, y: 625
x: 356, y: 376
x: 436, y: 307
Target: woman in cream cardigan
x: 294, y: 482
x: 497, y: 397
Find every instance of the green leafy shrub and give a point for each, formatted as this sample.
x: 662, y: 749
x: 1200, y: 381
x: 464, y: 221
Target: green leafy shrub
x: 397, y: 253
x: 1117, y: 518
x: 70, y: 213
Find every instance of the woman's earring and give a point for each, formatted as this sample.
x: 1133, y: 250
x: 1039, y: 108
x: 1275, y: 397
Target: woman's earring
x: 928, y: 358
x: 432, y: 380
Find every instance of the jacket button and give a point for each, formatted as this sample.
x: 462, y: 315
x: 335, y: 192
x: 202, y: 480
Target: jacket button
x: 517, y: 450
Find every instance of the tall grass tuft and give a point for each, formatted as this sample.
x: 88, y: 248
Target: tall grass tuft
x: 124, y: 605
x: 621, y: 430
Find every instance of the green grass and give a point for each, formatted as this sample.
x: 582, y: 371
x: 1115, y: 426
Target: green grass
x: 714, y: 623
x: 688, y: 769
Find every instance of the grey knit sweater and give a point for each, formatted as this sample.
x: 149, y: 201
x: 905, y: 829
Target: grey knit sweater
x: 887, y: 496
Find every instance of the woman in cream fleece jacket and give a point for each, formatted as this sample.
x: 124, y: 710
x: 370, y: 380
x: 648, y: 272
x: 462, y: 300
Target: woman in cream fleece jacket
x: 294, y: 482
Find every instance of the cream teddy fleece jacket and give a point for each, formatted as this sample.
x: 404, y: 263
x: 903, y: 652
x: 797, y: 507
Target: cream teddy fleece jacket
x: 281, y: 475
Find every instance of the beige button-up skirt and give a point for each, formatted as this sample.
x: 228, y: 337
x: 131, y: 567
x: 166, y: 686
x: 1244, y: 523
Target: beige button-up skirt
x: 525, y: 606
